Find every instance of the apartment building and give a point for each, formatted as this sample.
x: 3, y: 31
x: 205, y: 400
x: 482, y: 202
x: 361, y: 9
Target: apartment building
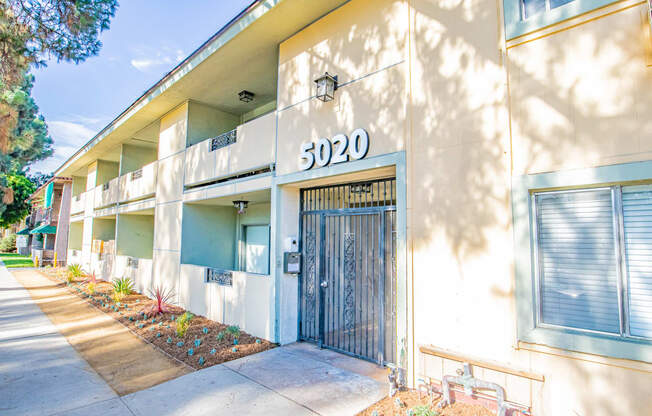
x: 44, y: 233
x: 413, y: 182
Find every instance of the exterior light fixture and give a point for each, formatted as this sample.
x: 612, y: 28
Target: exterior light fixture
x: 246, y: 96
x: 326, y: 86
x: 241, y: 206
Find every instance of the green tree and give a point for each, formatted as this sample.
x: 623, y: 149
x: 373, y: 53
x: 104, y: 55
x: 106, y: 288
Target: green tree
x: 22, y: 188
x: 29, y: 140
x: 65, y: 30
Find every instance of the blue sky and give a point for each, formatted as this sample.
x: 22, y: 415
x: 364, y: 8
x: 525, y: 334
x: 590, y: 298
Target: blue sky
x: 147, y: 38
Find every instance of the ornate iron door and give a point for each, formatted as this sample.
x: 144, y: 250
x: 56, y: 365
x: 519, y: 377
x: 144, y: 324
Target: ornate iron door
x: 348, y: 279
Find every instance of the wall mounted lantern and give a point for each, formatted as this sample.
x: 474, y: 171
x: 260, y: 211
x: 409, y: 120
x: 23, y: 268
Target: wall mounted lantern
x: 246, y: 96
x: 326, y: 86
x: 241, y: 206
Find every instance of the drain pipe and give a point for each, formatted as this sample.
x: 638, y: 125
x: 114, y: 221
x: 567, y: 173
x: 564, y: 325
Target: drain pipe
x: 465, y: 378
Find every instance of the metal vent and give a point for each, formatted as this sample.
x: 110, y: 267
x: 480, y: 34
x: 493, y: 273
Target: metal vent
x: 106, y: 186
x: 223, y: 140
x: 221, y: 277
x: 137, y: 174
x: 132, y: 262
x: 78, y: 197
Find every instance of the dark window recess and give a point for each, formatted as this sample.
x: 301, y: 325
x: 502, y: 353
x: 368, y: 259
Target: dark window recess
x: 106, y: 186
x: 77, y: 197
x: 558, y: 3
x: 268, y: 169
x: 223, y: 140
x: 221, y: 277
x: 137, y: 174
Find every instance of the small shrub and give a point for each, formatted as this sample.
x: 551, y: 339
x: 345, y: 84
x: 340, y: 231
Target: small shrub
x: 220, y: 336
x: 91, y: 288
x: 121, y: 288
x: 422, y: 411
x: 234, y: 331
x: 183, y: 322
x: 8, y: 244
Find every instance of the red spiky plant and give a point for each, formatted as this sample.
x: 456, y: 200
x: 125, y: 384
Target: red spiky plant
x: 162, y: 299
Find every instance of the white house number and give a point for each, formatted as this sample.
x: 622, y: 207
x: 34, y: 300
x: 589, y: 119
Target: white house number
x: 338, y: 150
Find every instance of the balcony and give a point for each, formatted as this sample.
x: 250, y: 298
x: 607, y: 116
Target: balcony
x: 138, y: 184
x: 107, y: 194
x: 78, y: 204
x: 248, y: 148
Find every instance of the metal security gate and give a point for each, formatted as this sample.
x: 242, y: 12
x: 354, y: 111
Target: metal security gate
x: 348, y: 279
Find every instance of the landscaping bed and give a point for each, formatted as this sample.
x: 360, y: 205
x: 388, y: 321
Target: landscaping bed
x: 204, y: 344
x: 410, y: 402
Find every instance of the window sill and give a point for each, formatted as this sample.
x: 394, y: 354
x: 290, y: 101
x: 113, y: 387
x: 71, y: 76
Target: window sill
x: 589, y: 343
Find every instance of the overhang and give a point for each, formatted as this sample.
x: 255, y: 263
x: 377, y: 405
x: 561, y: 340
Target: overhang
x: 44, y: 229
x: 241, y: 55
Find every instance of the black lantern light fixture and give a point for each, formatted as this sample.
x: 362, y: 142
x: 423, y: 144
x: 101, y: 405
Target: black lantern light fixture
x: 241, y: 206
x: 246, y: 96
x: 326, y: 86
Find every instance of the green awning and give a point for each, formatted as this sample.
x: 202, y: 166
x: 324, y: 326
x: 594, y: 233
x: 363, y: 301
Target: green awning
x: 24, y: 231
x: 44, y: 229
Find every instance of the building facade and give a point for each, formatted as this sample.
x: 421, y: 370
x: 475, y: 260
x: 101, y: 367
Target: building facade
x: 45, y: 232
x: 475, y: 189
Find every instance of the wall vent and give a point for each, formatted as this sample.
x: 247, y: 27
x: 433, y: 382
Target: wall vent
x: 223, y: 140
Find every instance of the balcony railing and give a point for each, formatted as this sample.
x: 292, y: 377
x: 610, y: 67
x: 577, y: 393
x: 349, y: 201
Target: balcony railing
x: 247, y: 148
x: 107, y: 194
x: 78, y: 203
x: 131, y: 186
x: 139, y: 184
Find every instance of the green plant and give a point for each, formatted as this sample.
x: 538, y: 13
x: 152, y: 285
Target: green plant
x: 8, y: 244
x: 91, y: 288
x: 422, y: 410
x: 121, y: 288
x: 75, y: 270
x: 234, y: 331
x: 220, y: 336
x: 183, y: 322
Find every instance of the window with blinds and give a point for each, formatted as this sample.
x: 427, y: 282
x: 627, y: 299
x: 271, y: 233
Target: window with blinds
x: 594, y: 259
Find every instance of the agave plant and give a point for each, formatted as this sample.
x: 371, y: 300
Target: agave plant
x: 75, y: 270
x: 163, y: 298
x: 122, y: 287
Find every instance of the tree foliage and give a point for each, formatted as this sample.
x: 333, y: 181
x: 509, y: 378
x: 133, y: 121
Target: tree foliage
x: 28, y: 133
x: 32, y: 31
x: 65, y: 30
x: 22, y: 188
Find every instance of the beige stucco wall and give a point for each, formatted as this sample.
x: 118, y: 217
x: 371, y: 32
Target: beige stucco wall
x: 364, y: 43
x: 581, y: 96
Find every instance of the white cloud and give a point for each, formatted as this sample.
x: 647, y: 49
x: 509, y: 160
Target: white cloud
x: 149, y: 59
x: 68, y: 136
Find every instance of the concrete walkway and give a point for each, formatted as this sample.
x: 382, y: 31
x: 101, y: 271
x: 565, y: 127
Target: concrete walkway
x: 41, y: 374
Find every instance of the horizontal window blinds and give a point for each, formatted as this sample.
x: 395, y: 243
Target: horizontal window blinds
x: 577, y: 261
x: 637, y: 222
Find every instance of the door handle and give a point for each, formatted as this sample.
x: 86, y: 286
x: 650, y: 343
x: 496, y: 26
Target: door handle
x: 324, y: 284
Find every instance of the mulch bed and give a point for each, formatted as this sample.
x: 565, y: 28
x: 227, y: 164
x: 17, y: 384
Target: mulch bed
x: 410, y: 402
x: 160, y: 330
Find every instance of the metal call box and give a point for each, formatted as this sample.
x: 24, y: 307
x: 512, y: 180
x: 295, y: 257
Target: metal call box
x: 292, y: 263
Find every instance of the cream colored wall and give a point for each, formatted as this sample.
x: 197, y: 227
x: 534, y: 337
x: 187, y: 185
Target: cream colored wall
x: 581, y: 96
x: 362, y: 38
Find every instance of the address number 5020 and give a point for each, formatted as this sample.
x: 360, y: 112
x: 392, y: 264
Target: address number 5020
x: 325, y: 152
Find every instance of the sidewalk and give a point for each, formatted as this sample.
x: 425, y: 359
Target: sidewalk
x: 42, y: 374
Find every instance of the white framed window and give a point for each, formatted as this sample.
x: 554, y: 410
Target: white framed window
x: 256, y: 249
x: 593, y: 260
